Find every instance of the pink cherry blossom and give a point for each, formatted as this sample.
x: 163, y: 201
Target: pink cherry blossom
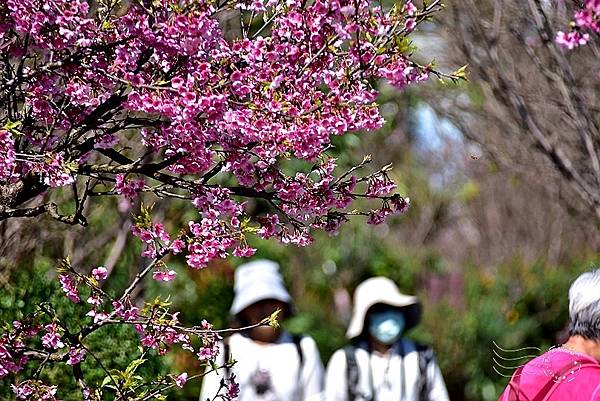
x: 410, y: 24
x: 233, y: 388
x: 76, y: 355
x: 208, y: 353
x: 34, y: 390
x: 268, y: 226
x: 400, y: 204
x: 380, y: 185
x: 54, y: 171
x: 177, y: 246
x: 100, y: 273
x: 572, y: 39
x: 586, y: 21
x: 409, y: 8
x: 127, y: 313
x: 181, y: 379
x: 69, y: 287
x: 157, y: 101
x: 143, y: 234
x: 161, y: 275
x: 94, y: 300
x: 7, y: 162
x: 52, y: 338
x: 98, y: 316
x: 23, y: 391
x: 11, y: 354
x: 128, y: 188
x: 160, y: 233
x: 244, y: 251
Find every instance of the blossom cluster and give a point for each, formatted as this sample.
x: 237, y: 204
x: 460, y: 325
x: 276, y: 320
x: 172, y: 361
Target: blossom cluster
x: 181, y: 379
x: 34, y: 390
x: 158, y: 328
x: 128, y: 188
x: 586, y: 21
x: 12, y: 347
x: 7, y: 149
x: 158, y: 100
x: 160, y: 335
x: 52, y: 337
x: 209, y: 349
x: 69, y: 287
x: 233, y: 388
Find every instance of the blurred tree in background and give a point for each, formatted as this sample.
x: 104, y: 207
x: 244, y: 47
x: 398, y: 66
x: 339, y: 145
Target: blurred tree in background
x: 532, y: 105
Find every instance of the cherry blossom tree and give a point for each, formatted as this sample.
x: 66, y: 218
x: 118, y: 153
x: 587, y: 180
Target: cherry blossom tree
x: 155, y: 99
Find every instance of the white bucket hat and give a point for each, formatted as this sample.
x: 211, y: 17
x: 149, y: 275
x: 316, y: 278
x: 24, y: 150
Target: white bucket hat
x: 256, y: 281
x: 381, y: 290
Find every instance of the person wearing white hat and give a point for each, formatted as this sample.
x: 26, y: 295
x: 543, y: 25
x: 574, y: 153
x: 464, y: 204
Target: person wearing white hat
x: 271, y: 364
x: 381, y: 365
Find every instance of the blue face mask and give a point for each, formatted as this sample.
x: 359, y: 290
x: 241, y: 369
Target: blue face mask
x: 386, y: 326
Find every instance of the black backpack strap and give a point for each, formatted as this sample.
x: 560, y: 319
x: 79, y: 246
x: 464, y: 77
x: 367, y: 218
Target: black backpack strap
x: 226, y: 356
x: 425, y: 356
x: 352, y: 372
x: 297, y: 339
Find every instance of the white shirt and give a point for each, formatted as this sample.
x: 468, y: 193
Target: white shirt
x: 276, y: 364
x: 388, y: 377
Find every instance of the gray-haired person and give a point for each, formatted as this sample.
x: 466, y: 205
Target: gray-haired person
x: 570, y: 372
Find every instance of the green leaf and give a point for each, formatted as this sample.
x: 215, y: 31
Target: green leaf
x: 387, y: 167
x: 461, y: 73
x: 144, y: 219
x: 273, y: 320
x: 12, y: 125
x: 107, y: 379
x: 64, y: 265
x: 136, y: 363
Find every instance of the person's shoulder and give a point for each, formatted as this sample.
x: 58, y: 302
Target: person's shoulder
x: 592, y: 373
x: 234, y: 340
x: 557, y: 360
x: 305, y: 338
x: 338, y: 354
x: 306, y: 342
x: 414, y: 346
x: 237, y: 336
x: 338, y: 358
x: 585, y: 382
x: 422, y: 352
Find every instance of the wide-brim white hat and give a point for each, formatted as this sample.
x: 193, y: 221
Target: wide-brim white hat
x: 257, y: 281
x: 381, y: 290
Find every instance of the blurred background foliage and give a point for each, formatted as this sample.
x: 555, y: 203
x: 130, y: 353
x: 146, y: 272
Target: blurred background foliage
x: 490, y: 244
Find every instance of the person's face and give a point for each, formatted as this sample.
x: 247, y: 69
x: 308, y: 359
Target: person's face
x: 256, y: 313
x: 385, y: 324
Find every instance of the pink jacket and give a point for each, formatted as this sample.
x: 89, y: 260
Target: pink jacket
x: 557, y: 375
